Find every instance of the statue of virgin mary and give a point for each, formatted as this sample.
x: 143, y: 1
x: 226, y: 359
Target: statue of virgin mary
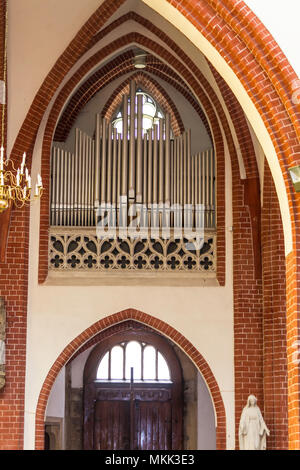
x: 252, y: 429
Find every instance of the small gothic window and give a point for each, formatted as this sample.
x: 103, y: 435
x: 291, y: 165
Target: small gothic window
x: 147, y: 362
x: 151, y: 113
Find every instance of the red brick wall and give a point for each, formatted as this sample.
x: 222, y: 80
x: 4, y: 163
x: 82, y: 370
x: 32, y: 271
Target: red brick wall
x: 13, y: 288
x: 247, y: 295
x: 274, y: 298
x: 293, y: 335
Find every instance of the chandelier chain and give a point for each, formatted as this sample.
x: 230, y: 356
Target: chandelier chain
x: 4, y: 73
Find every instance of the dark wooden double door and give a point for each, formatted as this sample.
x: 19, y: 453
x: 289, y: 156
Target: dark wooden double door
x: 143, y: 418
x: 133, y: 415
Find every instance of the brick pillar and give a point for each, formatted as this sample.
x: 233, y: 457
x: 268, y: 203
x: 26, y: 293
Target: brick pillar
x: 248, y: 321
x: 293, y: 348
x: 274, y: 300
x: 13, y: 289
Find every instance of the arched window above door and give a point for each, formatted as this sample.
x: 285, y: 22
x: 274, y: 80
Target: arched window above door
x: 147, y: 362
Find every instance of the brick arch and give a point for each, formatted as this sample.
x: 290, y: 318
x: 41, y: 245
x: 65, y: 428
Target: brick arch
x: 155, y: 89
x: 93, y: 84
x: 113, y: 70
x: 115, y: 100
x: 154, y: 323
x: 99, y: 80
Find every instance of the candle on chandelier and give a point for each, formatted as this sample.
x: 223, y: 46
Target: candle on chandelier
x: 1, y: 180
x: 29, y: 181
x: 1, y: 158
x: 23, y: 163
x: 36, y: 190
x: 39, y: 183
x: 18, y: 177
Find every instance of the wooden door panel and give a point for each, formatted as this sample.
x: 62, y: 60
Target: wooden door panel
x: 112, y: 425
x: 153, y: 423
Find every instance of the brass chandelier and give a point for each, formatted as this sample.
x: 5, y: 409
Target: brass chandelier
x: 15, y: 184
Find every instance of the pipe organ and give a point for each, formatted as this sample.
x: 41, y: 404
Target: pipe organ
x: 150, y: 200
x: 144, y: 178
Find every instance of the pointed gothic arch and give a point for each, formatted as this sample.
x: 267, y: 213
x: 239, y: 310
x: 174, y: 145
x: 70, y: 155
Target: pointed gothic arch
x: 156, y: 324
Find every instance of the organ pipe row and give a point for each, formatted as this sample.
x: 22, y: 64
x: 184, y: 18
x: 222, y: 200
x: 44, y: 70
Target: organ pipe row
x: 150, y: 171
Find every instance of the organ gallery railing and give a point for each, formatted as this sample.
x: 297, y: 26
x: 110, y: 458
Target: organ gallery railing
x: 73, y: 249
x: 136, y: 185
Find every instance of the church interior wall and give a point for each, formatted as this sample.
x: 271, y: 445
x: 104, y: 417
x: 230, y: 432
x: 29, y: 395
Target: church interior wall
x: 212, y: 310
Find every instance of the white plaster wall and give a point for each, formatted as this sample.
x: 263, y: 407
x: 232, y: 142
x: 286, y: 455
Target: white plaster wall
x: 37, y: 34
x: 77, y: 368
x: 206, y: 438
x: 56, y: 402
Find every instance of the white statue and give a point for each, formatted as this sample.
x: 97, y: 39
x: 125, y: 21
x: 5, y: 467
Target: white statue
x: 253, y: 429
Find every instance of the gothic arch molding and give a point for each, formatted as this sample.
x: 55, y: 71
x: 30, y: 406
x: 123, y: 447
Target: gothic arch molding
x: 157, y: 91
x: 84, y: 95
x: 156, y: 324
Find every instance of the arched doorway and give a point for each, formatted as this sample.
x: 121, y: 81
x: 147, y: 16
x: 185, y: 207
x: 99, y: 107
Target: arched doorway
x: 133, y: 394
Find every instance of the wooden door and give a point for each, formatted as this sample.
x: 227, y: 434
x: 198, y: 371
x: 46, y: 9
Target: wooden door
x: 138, y: 419
x: 112, y: 425
x: 141, y: 415
x: 153, y: 425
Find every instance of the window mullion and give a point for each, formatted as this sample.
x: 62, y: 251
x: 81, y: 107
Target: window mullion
x: 142, y: 362
x: 109, y: 365
x: 124, y: 361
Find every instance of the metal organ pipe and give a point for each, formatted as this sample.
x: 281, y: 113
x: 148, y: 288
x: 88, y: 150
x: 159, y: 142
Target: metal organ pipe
x: 92, y: 202
x: 139, y: 162
x: 153, y: 170
x: 53, y: 187
x: 167, y: 161
x: 103, y: 163
x: 97, y: 159
x: 132, y: 165
x: 86, y: 189
x: 124, y: 171
x: 114, y: 168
